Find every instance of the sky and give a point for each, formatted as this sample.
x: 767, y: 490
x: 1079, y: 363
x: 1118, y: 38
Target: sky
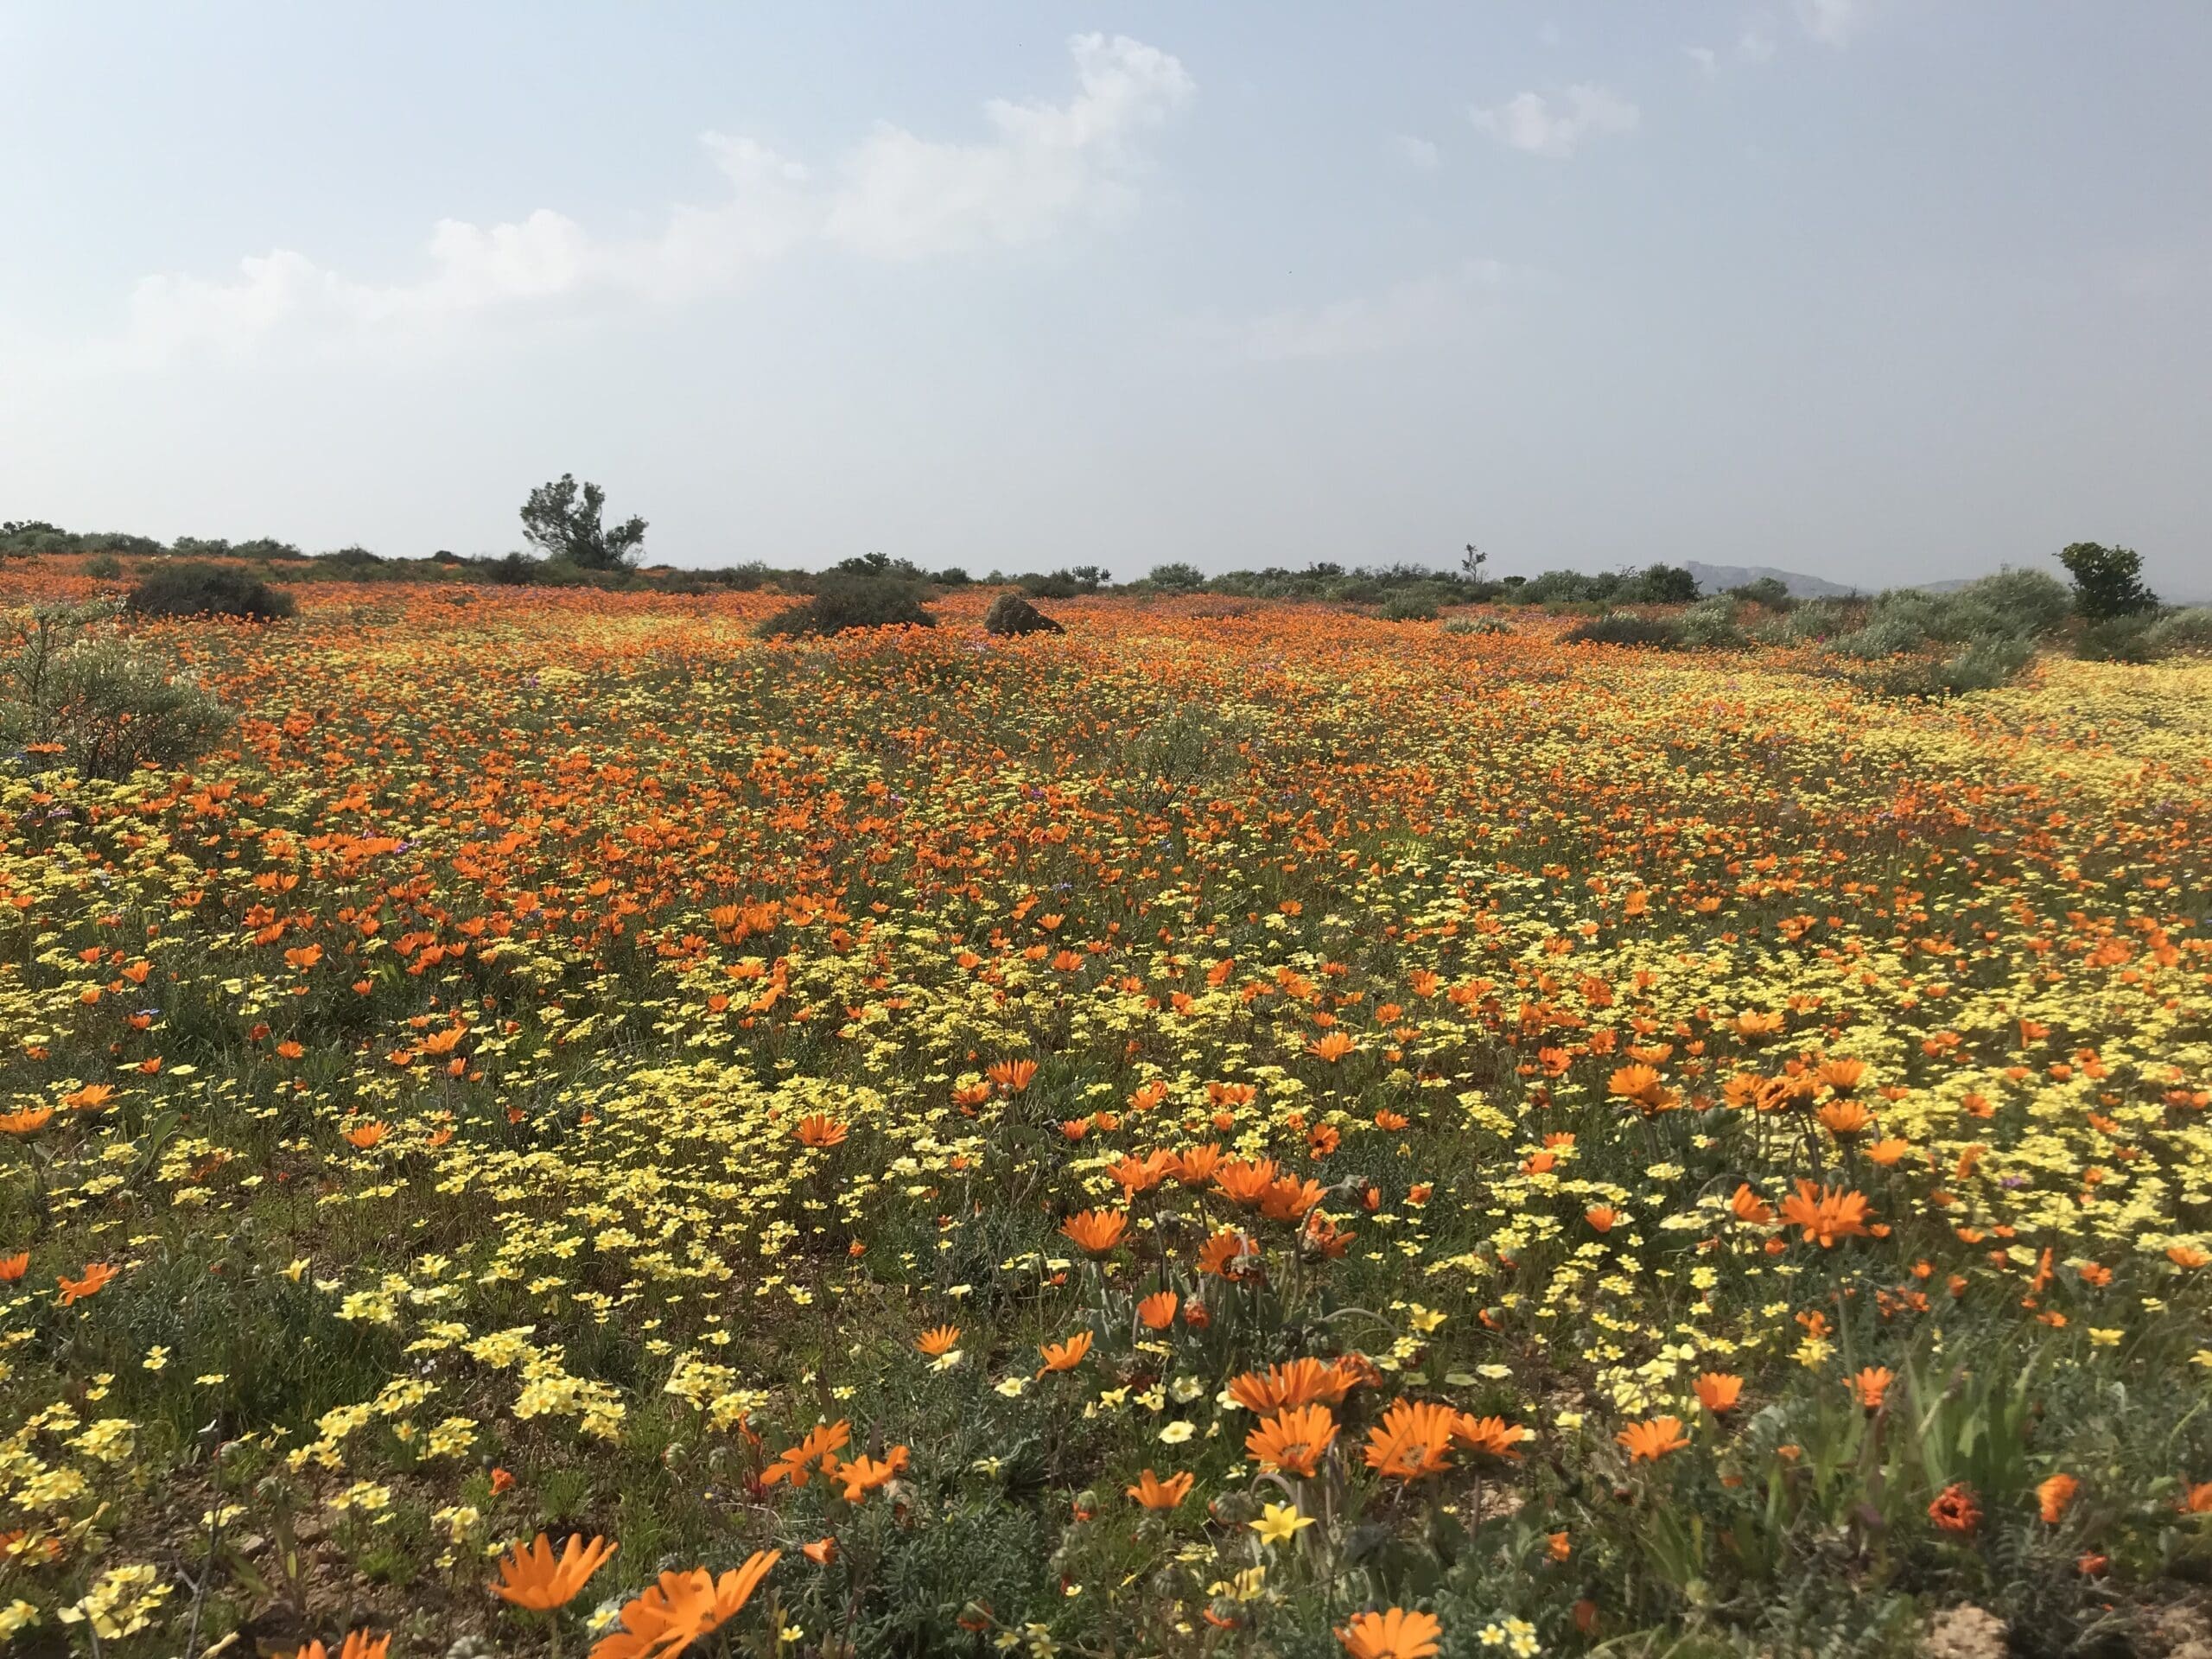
x: 1879, y: 291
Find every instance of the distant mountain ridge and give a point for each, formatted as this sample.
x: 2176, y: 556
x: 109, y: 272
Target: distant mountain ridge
x: 1718, y: 578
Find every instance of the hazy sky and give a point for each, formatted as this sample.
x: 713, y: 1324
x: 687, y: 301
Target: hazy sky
x: 1879, y: 289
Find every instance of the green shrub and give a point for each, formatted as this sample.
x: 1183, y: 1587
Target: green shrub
x: 104, y: 567
x: 1481, y: 625
x: 207, y: 590
x: 513, y: 570
x: 1626, y: 628
x: 1902, y: 623
x: 2123, y: 639
x: 2026, y: 604
x: 1060, y: 584
x: 1981, y: 666
x: 2187, y: 631
x: 1177, y: 577
x: 881, y: 565
x: 845, y: 602
x: 1710, y: 625
x: 1770, y: 591
x: 2012, y: 604
x: 351, y: 563
x: 97, y: 703
x: 267, y: 547
x: 1408, y: 608
x: 2107, y: 581
x: 1660, y: 584
x: 1816, y: 619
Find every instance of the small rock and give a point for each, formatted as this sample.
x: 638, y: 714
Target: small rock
x: 2179, y: 1631
x: 1964, y: 1633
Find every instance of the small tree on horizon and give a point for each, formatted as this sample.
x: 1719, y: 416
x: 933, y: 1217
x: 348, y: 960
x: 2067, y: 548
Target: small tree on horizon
x: 2107, y: 581
x: 566, y: 524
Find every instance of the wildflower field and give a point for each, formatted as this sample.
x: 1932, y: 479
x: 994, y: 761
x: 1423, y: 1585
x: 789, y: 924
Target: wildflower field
x: 1235, y: 1129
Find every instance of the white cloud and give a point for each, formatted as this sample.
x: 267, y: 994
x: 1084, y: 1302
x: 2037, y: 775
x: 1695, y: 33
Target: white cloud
x: 1422, y: 311
x: 1707, y: 60
x: 1414, y: 152
x: 1755, y: 45
x: 1832, y: 23
x: 901, y: 197
x: 1044, y: 167
x: 1539, y: 126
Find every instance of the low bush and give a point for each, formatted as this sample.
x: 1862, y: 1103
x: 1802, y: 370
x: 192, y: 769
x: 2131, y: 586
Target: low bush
x: 1915, y: 642
x: 1710, y: 625
x: 208, y: 590
x: 844, y: 602
x: 2189, y: 631
x: 74, y: 692
x: 2010, y: 605
x: 1626, y: 628
x: 1482, y: 624
x: 1408, y: 608
x: 1770, y: 591
x: 881, y: 567
x: 1815, y: 620
x: 1177, y: 577
x: 2126, y: 638
x: 2026, y: 604
x: 1982, y: 665
x: 514, y: 570
x: 1896, y: 626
